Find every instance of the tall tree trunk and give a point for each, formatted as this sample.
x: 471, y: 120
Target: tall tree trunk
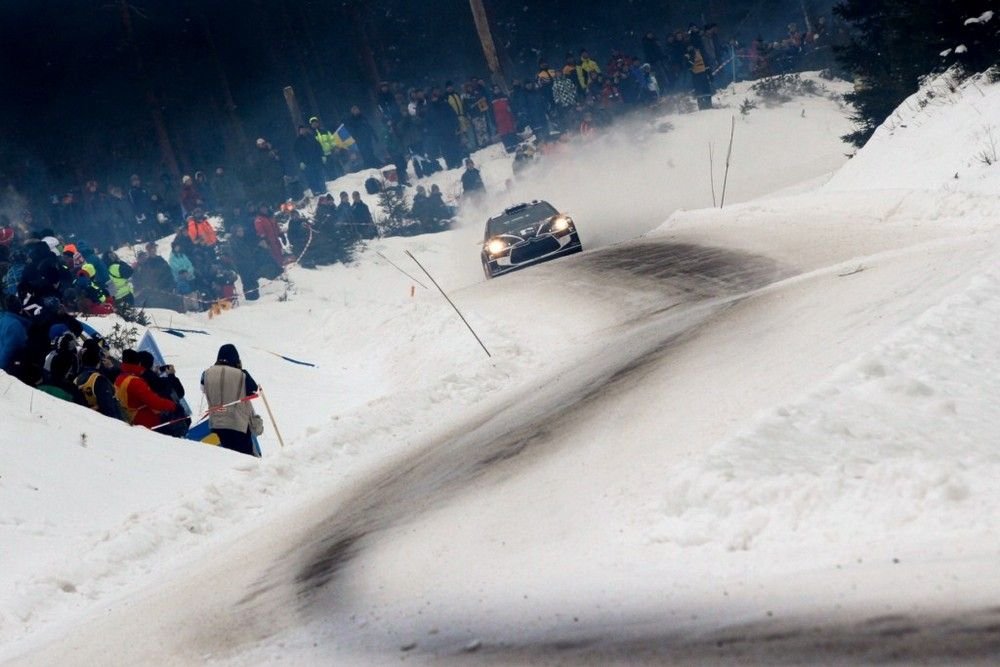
x: 365, y: 48
x: 229, y: 103
x: 489, y: 46
x: 300, y: 61
x: 805, y: 15
x: 167, y: 154
x: 313, y: 54
x: 265, y: 40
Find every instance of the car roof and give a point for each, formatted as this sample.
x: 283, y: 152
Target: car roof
x: 516, y: 208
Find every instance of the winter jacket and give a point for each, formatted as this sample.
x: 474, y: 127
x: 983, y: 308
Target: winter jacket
x: 268, y: 177
x: 652, y: 50
x: 89, y: 254
x: 457, y: 104
x: 592, y: 69
x: 545, y: 77
x: 179, y: 263
x: 246, y: 254
x: 267, y: 229
x: 441, y: 120
x: 13, y: 339
x: 504, y: 118
x: 87, y: 287
x: 308, y: 150
x: 361, y: 213
x: 119, y: 283
x: 99, y: 393
x: 564, y: 92
x: 12, y: 278
x: 696, y: 62
x: 142, y: 206
x: 472, y: 181
x: 224, y: 384
x: 190, y: 198
x: 141, y: 405
x: 361, y: 130
x: 153, y: 277
x: 201, y: 229
x: 326, y: 140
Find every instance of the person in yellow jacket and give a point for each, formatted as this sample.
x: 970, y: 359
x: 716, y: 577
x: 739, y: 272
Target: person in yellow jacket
x: 328, y: 142
x: 457, y: 104
x: 701, y: 78
x: 119, y: 279
x: 587, y: 71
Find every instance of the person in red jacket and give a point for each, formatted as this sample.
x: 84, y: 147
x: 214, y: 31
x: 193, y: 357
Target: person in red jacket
x: 268, y: 231
x: 141, y: 406
x: 504, y: 118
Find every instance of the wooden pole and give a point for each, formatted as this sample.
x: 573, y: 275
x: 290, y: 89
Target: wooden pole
x: 270, y: 414
x: 711, y: 172
x: 729, y: 157
x: 489, y: 46
x: 293, y: 107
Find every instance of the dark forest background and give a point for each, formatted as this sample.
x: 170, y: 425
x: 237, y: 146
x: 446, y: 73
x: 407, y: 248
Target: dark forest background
x: 87, y: 82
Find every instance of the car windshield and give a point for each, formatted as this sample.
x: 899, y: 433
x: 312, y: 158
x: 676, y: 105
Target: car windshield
x: 519, y: 219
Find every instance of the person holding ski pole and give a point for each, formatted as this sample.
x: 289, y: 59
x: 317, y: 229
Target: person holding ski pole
x: 228, y: 389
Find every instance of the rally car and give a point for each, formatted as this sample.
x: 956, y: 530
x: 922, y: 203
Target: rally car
x: 527, y: 234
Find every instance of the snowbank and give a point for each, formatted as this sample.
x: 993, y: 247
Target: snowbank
x: 945, y: 136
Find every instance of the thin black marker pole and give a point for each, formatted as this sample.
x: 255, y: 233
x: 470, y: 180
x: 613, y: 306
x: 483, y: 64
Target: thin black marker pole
x: 473, y: 331
x: 401, y: 270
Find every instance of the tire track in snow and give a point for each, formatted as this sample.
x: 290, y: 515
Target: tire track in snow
x: 697, y: 282
x: 964, y: 638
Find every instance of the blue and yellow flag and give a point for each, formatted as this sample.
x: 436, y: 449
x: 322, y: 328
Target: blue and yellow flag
x: 342, y: 138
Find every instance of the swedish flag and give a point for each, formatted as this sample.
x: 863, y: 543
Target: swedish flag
x: 342, y: 138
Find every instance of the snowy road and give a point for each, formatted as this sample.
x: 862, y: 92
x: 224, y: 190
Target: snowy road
x: 696, y: 282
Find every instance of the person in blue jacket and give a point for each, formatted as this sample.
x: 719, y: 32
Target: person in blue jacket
x: 13, y: 336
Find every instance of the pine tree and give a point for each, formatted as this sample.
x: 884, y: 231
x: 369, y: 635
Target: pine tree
x: 392, y: 201
x: 898, y: 42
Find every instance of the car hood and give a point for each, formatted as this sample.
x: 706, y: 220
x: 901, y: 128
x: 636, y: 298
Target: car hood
x: 525, y: 233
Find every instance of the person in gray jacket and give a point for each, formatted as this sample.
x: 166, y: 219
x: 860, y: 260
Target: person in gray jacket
x: 224, y: 383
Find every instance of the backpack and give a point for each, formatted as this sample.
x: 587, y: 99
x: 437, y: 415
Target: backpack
x: 121, y: 393
x: 87, y: 387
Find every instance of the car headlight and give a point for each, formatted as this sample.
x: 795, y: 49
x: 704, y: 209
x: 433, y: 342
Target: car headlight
x: 496, y: 246
x: 561, y: 223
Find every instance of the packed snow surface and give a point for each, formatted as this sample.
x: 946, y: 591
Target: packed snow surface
x: 758, y: 432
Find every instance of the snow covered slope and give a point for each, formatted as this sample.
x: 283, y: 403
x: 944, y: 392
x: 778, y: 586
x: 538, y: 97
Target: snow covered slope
x: 669, y: 432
